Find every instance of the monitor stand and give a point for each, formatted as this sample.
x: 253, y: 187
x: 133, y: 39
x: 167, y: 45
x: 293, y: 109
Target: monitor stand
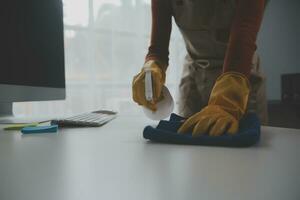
x: 6, y: 112
x: 6, y: 109
x: 7, y: 116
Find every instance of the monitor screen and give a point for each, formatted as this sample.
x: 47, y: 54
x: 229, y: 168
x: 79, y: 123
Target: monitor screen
x: 31, y: 43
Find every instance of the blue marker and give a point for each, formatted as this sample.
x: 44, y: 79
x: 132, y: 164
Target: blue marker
x: 40, y: 129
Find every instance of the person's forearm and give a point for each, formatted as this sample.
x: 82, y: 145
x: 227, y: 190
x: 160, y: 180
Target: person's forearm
x: 161, y: 30
x: 243, y: 34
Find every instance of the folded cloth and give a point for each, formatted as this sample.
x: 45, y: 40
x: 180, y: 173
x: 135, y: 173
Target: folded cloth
x: 166, y: 132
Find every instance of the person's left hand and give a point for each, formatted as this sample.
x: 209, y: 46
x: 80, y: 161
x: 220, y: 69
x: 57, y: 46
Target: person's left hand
x: 227, y: 104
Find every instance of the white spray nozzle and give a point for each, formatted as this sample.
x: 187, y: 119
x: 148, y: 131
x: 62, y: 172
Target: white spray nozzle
x: 148, y: 85
x: 164, y: 107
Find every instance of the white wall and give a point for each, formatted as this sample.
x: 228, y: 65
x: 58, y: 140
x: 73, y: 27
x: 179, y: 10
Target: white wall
x: 279, y: 43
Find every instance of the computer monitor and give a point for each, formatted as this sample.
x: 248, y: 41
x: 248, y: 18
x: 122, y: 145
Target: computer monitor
x: 31, y: 52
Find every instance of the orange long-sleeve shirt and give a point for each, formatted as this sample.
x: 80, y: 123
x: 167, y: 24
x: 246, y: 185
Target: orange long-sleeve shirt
x: 242, y: 40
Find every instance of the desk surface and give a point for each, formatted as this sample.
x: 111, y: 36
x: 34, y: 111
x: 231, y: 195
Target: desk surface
x: 115, y: 162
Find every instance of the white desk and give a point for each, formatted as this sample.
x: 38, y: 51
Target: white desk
x: 115, y: 162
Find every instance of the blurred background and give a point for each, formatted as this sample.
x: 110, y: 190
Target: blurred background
x: 106, y: 42
x: 105, y: 45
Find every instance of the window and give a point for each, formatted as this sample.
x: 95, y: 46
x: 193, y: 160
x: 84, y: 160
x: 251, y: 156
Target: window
x: 105, y: 45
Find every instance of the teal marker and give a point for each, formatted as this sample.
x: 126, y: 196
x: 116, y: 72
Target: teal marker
x: 40, y: 129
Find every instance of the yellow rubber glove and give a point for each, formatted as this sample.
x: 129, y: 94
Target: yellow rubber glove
x: 158, y: 80
x: 227, y: 105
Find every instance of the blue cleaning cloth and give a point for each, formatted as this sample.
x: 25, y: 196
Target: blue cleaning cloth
x: 166, y: 132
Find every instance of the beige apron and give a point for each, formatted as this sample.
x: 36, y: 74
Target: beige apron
x: 205, y: 27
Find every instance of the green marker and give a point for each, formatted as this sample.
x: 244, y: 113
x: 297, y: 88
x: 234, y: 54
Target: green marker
x: 17, y: 127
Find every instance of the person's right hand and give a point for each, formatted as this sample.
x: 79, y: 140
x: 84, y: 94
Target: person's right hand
x: 158, y: 80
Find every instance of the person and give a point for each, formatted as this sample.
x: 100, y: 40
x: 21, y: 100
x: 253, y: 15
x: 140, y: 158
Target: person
x: 221, y: 80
